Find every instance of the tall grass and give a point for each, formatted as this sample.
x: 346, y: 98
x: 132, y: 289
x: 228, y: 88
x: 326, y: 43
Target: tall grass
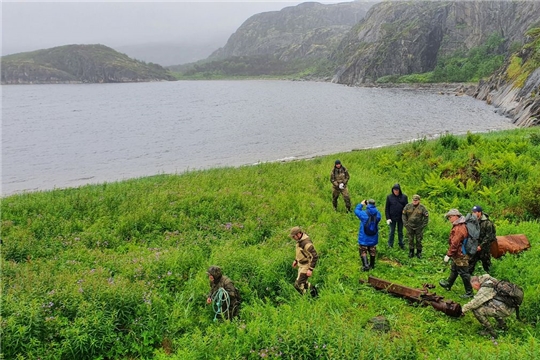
x: 117, y: 271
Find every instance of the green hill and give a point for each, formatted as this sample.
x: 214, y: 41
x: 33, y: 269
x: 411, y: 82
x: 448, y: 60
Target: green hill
x: 78, y: 64
x: 117, y: 270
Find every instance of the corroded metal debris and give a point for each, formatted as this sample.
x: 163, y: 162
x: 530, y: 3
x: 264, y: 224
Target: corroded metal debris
x: 421, y: 296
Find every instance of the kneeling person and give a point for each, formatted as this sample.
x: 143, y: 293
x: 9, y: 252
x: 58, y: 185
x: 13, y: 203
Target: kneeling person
x: 225, y: 296
x: 485, y: 304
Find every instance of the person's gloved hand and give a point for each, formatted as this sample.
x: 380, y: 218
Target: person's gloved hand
x: 389, y: 221
x: 341, y: 186
x: 446, y: 258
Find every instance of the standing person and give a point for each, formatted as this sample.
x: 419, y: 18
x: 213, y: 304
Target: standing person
x: 223, y: 294
x: 339, y: 177
x: 460, y: 262
x: 395, y: 202
x: 305, y: 259
x: 487, y: 236
x: 415, y: 218
x: 486, y: 304
x: 368, y: 233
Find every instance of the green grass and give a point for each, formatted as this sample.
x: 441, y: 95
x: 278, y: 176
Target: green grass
x: 117, y: 270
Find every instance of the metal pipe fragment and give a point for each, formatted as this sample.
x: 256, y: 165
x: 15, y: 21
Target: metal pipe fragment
x: 421, y: 296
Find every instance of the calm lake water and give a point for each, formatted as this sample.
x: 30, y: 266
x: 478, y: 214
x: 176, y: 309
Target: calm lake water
x: 56, y: 136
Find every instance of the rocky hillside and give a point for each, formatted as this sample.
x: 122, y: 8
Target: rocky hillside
x: 78, y: 64
x: 398, y: 38
x: 515, y: 88
x: 308, y: 30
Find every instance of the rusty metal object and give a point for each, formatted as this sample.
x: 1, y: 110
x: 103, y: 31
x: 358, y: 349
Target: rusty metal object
x: 509, y: 243
x: 421, y: 296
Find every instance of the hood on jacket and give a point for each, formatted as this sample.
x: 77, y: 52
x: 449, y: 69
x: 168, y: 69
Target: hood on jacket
x: 371, y: 209
x: 215, y: 271
x: 398, y: 187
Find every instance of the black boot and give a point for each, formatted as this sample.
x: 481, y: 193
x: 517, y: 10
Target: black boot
x: 365, y: 263
x: 411, y: 253
x: 419, y: 254
x: 372, y: 262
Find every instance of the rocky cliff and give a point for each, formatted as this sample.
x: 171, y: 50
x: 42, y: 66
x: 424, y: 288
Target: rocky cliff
x: 398, y: 38
x: 308, y: 30
x: 78, y: 64
x: 515, y: 88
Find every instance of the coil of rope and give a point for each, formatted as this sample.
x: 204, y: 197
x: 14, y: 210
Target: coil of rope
x: 220, y: 301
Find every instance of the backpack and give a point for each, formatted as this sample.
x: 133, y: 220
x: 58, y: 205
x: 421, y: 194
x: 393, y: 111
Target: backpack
x: 509, y: 293
x: 371, y: 227
x: 470, y: 244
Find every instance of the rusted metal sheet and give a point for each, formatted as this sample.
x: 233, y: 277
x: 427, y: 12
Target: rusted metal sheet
x: 509, y: 244
x: 421, y: 296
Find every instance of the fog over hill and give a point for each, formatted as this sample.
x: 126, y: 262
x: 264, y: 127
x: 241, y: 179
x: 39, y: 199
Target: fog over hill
x: 162, y: 32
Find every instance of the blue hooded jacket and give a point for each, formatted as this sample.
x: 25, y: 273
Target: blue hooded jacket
x: 363, y: 239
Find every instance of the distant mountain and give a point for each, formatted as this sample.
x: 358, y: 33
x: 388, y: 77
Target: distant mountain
x: 166, y: 54
x: 308, y: 30
x: 78, y: 64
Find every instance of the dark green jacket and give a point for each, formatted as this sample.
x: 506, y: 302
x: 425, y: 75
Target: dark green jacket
x: 487, y: 233
x: 415, y: 217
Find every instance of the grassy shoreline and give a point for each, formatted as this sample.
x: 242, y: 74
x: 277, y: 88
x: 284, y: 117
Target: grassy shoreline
x: 117, y: 270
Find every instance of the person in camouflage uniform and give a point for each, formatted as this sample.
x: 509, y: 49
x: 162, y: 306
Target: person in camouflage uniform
x: 460, y: 262
x: 415, y: 219
x: 339, y: 177
x: 485, y: 304
x: 306, y: 259
x: 487, y: 236
x: 229, y: 303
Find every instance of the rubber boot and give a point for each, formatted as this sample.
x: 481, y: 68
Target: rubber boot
x: 411, y: 253
x: 313, y: 291
x: 419, y: 254
x: 365, y: 263
x: 372, y: 262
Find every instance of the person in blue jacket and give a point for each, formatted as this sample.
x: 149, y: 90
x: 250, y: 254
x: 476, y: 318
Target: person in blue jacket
x: 368, y: 234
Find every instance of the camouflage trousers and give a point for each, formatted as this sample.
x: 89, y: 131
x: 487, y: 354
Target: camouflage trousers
x: 364, y: 250
x: 302, y: 284
x: 335, y: 195
x: 495, y: 309
x: 484, y: 256
x: 417, y: 234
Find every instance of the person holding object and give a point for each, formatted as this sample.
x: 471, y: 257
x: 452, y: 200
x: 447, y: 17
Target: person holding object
x: 395, y: 202
x: 415, y: 219
x: 368, y: 233
x: 306, y: 259
x: 460, y: 262
x: 339, y: 177
x: 225, y: 296
x: 486, y: 238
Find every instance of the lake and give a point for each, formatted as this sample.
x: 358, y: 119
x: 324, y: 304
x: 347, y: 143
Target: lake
x: 56, y: 136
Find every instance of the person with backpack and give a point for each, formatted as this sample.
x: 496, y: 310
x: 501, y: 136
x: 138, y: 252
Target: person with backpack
x: 306, y: 259
x: 395, y: 202
x: 486, y: 238
x: 339, y: 177
x: 415, y: 219
x: 224, y: 296
x: 460, y: 261
x: 368, y: 233
x: 488, y: 302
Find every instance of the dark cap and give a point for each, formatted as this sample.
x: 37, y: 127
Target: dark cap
x: 338, y: 162
x: 477, y: 208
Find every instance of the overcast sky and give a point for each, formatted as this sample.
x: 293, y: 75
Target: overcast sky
x: 28, y: 26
